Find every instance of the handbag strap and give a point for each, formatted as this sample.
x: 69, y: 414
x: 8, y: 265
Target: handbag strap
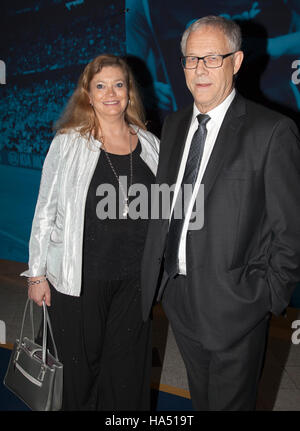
x: 50, y: 329
x: 31, y: 320
x: 46, y: 324
x: 23, y: 321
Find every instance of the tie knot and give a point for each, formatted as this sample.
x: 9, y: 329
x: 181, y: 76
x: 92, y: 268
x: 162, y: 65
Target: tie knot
x: 203, y: 119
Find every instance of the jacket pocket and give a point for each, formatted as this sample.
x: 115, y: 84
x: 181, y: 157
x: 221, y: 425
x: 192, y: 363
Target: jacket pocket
x: 246, y: 271
x: 238, y: 174
x: 56, y: 235
x: 249, y: 282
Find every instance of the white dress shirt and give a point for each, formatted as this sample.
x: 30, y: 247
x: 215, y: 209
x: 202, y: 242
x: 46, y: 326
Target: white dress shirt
x: 213, y: 126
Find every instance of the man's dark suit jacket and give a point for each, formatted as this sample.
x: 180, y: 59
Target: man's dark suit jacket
x: 245, y: 261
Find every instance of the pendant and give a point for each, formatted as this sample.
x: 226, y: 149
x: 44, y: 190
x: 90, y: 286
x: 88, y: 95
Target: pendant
x: 126, y: 208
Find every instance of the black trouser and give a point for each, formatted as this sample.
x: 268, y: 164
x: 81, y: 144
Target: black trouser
x: 218, y: 380
x: 104, y: 345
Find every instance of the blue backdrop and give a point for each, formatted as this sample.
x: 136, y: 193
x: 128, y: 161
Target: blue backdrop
x: 45, y: 45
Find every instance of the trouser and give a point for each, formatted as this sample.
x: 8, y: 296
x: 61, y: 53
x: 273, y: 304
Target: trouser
x: 219, y: 380
x: 104, y: 345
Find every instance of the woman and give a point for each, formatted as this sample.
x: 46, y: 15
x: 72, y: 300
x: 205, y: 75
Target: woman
x: 86, y: 266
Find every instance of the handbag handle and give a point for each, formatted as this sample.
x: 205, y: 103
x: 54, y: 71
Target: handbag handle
x: 46, y: 324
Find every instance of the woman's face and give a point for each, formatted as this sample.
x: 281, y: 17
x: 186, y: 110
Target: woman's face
x: 108, y: 93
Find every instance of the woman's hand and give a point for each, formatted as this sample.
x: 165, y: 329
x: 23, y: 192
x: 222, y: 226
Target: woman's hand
x: 39, y: 292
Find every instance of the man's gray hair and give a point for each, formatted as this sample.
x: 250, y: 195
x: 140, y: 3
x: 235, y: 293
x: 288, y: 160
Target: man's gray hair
x: 230, y: 28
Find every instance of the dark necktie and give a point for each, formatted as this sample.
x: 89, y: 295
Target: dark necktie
x: 190, y: 175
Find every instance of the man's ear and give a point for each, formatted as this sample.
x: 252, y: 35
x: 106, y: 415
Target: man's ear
x: 237, y: 61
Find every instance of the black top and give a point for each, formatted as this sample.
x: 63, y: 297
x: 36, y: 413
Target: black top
x: 112, y: 248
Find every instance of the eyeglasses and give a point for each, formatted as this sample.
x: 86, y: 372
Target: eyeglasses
x: 210, y: 61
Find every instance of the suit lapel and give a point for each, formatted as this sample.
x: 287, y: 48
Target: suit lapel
x: 225, y: 143
x: 175, y: 145
x: 172, y: 146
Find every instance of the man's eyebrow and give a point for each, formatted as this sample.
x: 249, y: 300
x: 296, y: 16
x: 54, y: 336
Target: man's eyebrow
x: 196, y: 55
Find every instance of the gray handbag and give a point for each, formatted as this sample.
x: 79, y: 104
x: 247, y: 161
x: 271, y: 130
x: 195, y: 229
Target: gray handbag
x: 34, y: 375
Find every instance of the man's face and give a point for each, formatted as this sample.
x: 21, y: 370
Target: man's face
x: 210, y: 87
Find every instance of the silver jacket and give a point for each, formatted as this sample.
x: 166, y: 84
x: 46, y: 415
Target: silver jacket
x: 55, y: 247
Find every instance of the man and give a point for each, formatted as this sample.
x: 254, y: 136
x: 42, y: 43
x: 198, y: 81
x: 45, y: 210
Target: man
x: 220, y: 284
x: 149, y: 40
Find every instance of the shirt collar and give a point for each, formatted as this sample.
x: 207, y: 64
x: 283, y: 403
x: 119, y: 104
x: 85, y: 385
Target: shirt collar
x: 218, y: 113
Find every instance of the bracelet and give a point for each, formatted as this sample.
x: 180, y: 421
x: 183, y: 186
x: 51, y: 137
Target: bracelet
x: 40, y: 280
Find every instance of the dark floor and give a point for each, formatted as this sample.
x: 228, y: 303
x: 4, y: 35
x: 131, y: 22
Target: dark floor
x: 280, y: 385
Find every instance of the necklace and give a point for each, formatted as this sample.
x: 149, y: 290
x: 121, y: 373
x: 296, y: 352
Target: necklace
x: 125, y: 195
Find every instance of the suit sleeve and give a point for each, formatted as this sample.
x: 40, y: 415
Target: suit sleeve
x: 282, y: 191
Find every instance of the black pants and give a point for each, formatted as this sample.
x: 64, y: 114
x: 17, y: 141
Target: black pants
x: 218, y: 380
x: 104, y: 345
